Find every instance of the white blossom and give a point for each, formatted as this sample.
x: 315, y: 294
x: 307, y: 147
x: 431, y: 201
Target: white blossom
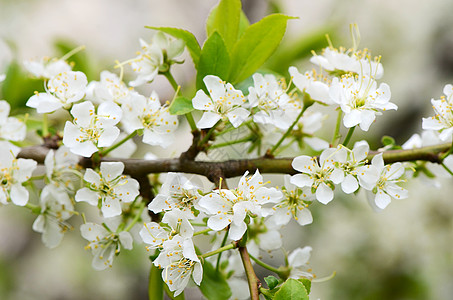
x: 13, y: 173
x: 56, y: 208
x: 156, y: 121
x: 382, y: 181
x: 224, y: 102
x: 179, y: 262
x: 61, y: 168
x: 109, y: 88
x: 298, y: 260
x: 90, y: 130
x: 443, y: 119
x: 230, y: 207
x: 176, y: 193
x: 349, y: 161
x: 341, y: 61
x: 153, y: 57
x: 62, y: 90
x: 319, y: 175
x: 107, y: 188
x: 294, y: 204
x: 360, y: 99
x: 312, y: 84
x: 47, y: 68
x: 275, y: 106
x: 104, y: 244
x: 11, y: 129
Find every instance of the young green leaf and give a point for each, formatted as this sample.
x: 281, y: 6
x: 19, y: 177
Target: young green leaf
x: 181, y: 106
x: 225, y: 19
x: 307, y: 284
x: 256, y: 45
x: 214, y: 60
x: 214, y: 286
x: 292, y: 290
x: 271, y: 282
x: 190, y: 40
x: 243, y: 24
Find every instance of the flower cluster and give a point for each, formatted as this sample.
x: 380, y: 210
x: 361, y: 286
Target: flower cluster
x: 263, y: 113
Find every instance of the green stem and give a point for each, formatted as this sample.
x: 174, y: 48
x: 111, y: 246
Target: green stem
x: 45, y: 126
x: 231, y: 128
x: 264, y: 265
x: 34, y: 208
x: 288, y: 131
x: 38, y: 177
x: 336, y: 135
x: 348, y: 136
x: 155, y: 284
x: 252, y: 279
x: 224, y: 248
x: 220, y: 254
x: 199, y: 224
x: 191, y: 121
x: 220, y: 145
x: 202, y: 231
x: 447, y: 153
x: 137, y: 217
x: 113, y: 147
x: 72, y: 52
x: 171, y: 79
x: 447, y: 168
x: 208, y: 135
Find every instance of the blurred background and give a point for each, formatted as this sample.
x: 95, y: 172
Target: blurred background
x: 405, y: 252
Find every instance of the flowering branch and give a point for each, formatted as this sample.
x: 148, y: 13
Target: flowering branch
x: 233, y: 168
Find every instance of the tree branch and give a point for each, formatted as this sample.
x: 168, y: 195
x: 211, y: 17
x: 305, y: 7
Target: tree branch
x: 234, y: 168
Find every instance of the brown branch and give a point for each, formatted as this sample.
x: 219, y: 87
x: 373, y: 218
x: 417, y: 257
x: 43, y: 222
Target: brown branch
x: 233, y: 168
x: 253, y: 281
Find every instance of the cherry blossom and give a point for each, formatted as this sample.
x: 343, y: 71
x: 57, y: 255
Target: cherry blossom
x: 62, y: 90
x: 230, y: 207
x: 13, y: 173
x: 147, y: 113
x: 382, y: 181
x: 360, y: 99
x: 105, y: 243
x: 56, y: 208
x: 224, y: 102
x: 90, y: 131
x: 11, y: 128
x: 107, y: 188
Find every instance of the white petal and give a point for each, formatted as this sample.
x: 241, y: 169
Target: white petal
x: 87, y: 195
x: 19, y: 194
x: 208, y: 120
x: 349, y: 184
x: 324, y: 194
x: 238, y: 116
x: 382, y: 199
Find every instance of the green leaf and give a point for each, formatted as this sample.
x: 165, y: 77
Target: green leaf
x: 225, y: 19
x: 188, y: 37
x: 214, y: 286
x: 181, y: 106
x: 388, y: 140
x: 292, y: 290
x: 307, y: 284
x: 256, y: 45
x: 243, y: 24
x: 214, y: 60
x: 155, y: 287
x: 271, y: 282
x: 18, y: 87
x: 80, y: 59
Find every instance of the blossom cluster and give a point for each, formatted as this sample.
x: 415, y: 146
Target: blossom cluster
x: 107, y: 115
